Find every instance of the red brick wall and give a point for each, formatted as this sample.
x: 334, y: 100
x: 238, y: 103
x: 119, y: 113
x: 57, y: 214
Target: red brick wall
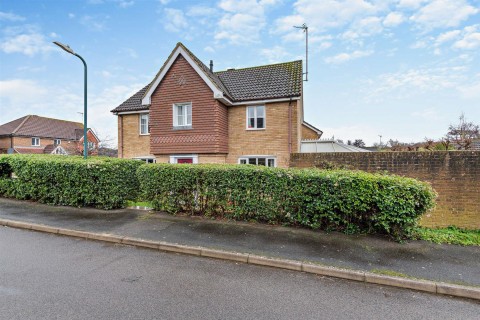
x: 455, y: 175
x: 209, y: 133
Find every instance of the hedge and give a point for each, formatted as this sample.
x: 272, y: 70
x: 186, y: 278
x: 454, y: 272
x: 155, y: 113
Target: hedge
x: 348, y: 201
x: 69, y: 180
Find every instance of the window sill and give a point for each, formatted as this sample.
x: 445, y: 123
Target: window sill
x: 255, y: 129
x: 182, y: 128
x: 144, y: 134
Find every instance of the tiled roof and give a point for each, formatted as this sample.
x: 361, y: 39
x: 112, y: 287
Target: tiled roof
x: 134, y: 103
x: 35, y: 126
x: 27, y: 150
x: 272, y: 81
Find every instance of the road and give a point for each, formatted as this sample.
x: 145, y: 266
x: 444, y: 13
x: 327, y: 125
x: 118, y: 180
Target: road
x: 45, y: 276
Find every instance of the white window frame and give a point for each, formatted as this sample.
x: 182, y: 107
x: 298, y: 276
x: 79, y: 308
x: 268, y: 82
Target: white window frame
x: 255, y: 117
x: 174, y: 157
x: 36, y: 142
x: 140, y: 124
x: 55, y: 142
x: 185, y: 125
x: 267, y: 158
x: 146, y: 159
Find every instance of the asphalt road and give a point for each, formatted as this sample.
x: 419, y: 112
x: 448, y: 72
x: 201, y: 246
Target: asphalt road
x: 45, y: 276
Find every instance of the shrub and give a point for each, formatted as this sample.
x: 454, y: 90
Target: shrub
x: 348, y: 201
x: 99, y: 182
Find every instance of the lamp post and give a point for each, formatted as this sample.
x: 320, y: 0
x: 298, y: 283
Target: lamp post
x: 85, y: 140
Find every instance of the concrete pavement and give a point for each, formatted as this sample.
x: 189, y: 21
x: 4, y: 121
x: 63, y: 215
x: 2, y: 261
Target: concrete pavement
x: 364, y: 254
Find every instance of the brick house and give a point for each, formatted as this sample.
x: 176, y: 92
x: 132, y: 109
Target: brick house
x: 190, y: 114
x: 33, y: 134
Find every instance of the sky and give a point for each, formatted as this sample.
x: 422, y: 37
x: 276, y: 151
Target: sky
x: 400, y: 69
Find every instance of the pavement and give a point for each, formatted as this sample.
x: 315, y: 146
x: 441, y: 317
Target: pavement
x: 417, y: 264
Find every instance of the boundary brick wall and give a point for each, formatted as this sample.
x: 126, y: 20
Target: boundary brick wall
x: 455, y: 175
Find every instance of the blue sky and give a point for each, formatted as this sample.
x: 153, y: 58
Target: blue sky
x: 403, y: 69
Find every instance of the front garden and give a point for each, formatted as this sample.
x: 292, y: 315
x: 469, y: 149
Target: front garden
x: 347, y: 201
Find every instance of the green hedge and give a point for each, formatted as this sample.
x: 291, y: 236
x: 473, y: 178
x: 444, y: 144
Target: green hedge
x: 99, y: 182
x: 348, y: 201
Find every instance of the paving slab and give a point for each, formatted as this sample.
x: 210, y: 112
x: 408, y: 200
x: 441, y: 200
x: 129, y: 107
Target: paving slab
x: 420, y: 259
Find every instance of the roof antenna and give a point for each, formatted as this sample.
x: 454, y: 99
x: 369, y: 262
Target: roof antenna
x: 304, y: 27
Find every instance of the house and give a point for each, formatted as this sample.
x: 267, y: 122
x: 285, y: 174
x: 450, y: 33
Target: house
x: 328, y: 145
x: 33, y: 134
x: 191, y: 114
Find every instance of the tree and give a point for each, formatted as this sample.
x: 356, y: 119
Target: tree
x: 463, y: 133
x: 359, y: 143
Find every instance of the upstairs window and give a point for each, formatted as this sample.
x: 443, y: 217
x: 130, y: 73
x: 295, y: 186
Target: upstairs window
x: 144, y: 128
x: 182, y: 115
x: 35, y: 142
x: 255, y: 117
x: 57, y: 142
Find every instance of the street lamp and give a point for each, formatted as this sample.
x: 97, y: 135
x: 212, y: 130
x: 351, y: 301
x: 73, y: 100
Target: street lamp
x: 85, y: 140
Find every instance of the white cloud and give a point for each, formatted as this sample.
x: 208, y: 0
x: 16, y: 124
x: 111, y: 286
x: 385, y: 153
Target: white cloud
x: 403, y: 84
x: 71, y: 15
x: 410, y: 4
x: 96, y: 23
x: 20, y: 92
x: 7, y: 16
x: 427, y: 114
x: 393, y: 19
x: 164, y: 2
x: 471, y: 91
x: 275, y: 54
x: 326, y: 14
x: 344, y: 57
x: 242, y: 22
x: 125, y: 4
x: 470, y: 38
x: 363, y: 28
x: 443, y: 13
x: 27, y: 41
x: 209, y: 49
x: 174, y: 20
x: 447, y: 37
x: 201, y: 11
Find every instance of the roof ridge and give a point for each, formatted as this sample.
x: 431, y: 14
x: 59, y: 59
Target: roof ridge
x: 59, y: 119
x: 21, y: 124
x: 264, y: 65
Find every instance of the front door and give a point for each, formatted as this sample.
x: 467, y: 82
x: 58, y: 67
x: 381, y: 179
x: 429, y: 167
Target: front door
x: 184, y: 160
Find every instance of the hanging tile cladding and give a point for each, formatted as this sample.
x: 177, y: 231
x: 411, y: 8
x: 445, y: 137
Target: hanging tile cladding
x: 209, y: 133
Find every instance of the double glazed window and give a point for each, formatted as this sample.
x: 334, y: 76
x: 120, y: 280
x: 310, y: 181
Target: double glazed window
x: 256, y: 117
x: 57, y: 142
x: 36, y: 142
x: 144, y: 129
x: 182, y: 115
x: 258, y: 161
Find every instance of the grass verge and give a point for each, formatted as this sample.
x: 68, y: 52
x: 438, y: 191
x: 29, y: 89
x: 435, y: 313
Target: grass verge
x: 450, y: 235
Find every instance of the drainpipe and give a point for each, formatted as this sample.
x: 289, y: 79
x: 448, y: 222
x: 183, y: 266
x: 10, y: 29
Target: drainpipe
x: 290, y: 126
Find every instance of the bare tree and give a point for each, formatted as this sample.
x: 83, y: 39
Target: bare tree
x: 429, y: 144
x: 463, y: 133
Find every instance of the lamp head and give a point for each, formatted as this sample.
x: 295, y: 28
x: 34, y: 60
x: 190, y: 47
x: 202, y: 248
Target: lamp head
x: 64, y: 47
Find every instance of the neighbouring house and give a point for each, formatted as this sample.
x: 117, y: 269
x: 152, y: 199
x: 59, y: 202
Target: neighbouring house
x: 40, y: 135
x: 191, y: 114
x: 328, y: 145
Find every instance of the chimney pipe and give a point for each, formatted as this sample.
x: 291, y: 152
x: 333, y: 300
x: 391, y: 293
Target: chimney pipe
x: 211, y: 65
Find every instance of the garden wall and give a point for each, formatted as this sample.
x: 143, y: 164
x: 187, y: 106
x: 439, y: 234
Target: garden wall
x: 455, y: 175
